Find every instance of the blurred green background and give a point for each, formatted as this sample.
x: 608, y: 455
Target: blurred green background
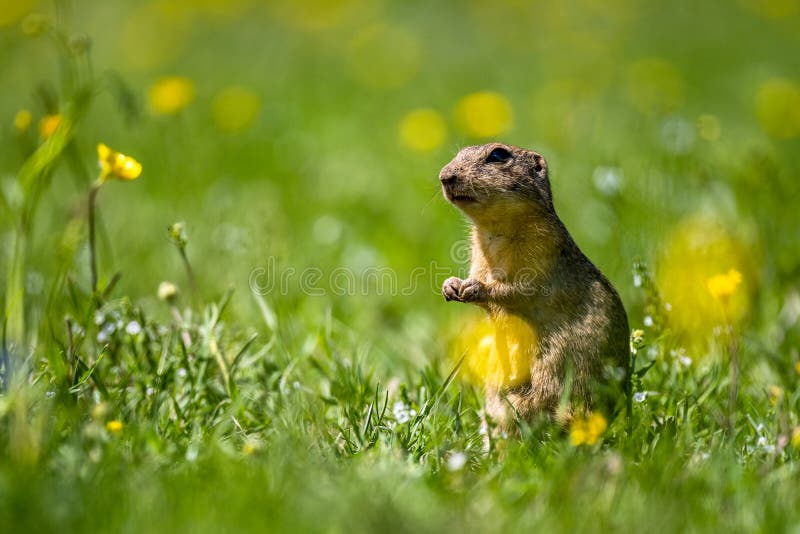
x: 311, y: 133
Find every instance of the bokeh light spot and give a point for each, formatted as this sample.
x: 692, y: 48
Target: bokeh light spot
x: 171, y: 94
x: 708, y: 127
x: 235, y: 108
x: 483, y: 114
x: 422, y: 130
x: 317, y: 15
x: 773, y: 9
x: 13, y: 10
x: 778, y: 108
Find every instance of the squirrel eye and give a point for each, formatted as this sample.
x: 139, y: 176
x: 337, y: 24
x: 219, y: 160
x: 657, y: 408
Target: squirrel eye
x: 498, y: 155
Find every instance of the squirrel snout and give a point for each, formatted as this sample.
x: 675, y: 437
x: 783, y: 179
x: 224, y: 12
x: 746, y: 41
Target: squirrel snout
x: 448, y: 178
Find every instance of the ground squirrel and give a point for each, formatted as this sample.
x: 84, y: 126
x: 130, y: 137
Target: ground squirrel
x: 526, y: 267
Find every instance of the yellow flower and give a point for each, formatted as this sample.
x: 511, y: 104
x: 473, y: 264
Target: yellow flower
x: 422, y: 130
x: 498, y: 351
x: 22, y: 120
x: 48, y: 125
x: 722, y: 286
x: 587, y: 430
x: 797, y: 367
x: 167, y: 291
x: 775, y: 393
x: 171, y: 94
x: 114, y: 426
x: 483, y: 114
x: 114, y: 164
x: 796, y: 437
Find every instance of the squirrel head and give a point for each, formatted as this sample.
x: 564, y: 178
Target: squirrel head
x: 487, y: 181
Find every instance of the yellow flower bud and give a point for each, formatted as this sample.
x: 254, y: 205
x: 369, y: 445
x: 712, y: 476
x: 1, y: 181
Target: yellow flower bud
x: 114, y: 164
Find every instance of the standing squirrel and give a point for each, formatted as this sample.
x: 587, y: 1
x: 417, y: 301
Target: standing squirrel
x: 525, y: 267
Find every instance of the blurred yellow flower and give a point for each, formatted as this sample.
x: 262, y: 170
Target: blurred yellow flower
x: 498, y: 351
x: 722, y: 286
x: 796, y: 437
x: 114, y: 164
x: 316, y: 15
x: 171, y: 94
x: 422, y: 130
x: 697, y: 249
x: 22, y: 120
x: 775, y: 394
x: 708, y: 127
x: 250, y: 447
x: 587, y: 430
x: 778, y: 108
x: 797, y: 367
x: 167, y: 291
x: 13, y: 10
x: 772, y: 9
x: 235, y: 108
x: 100, y: 411
x: 114, y: 426
x: 483, y: 114
x: 654, y: 85
x: 48, y: 125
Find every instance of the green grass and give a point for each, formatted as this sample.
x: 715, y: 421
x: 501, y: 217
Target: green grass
x: 312, y: 410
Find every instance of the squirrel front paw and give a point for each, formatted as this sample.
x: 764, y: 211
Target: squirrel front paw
x: 451, y: 288
x: 469, y: 290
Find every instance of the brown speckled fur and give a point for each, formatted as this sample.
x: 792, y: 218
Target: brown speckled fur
x: 525, y: 263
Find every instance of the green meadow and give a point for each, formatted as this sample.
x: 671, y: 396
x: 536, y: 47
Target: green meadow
x: 223, y: 242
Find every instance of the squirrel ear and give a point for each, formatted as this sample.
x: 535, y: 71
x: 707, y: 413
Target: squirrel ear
x: 540, y: 177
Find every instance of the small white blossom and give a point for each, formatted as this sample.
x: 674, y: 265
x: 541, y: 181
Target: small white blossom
x: 648, y: 321
x: 133, y: 328
x: 637, y: 280
x: 640, y: 396
x: 456, y: 461
x: 182, y: 372
x: 402, y: 413
x: 99, y: 317
x: 608, y: 180
x: 685, y: 361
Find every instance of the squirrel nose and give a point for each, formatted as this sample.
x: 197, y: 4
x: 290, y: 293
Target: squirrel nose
x: 447, y: 179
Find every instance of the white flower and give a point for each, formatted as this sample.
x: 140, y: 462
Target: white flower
x: 637, y: 280
x: 182, y: 372
x: 133, y: 328
x: 607, y: 180
x: 640, y: 396
x: 765, y: 445
x: 648, y: 321
x: 99, y: 317
x: 456, y: 461
x: 685, y: 361
x: 402, y: 413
